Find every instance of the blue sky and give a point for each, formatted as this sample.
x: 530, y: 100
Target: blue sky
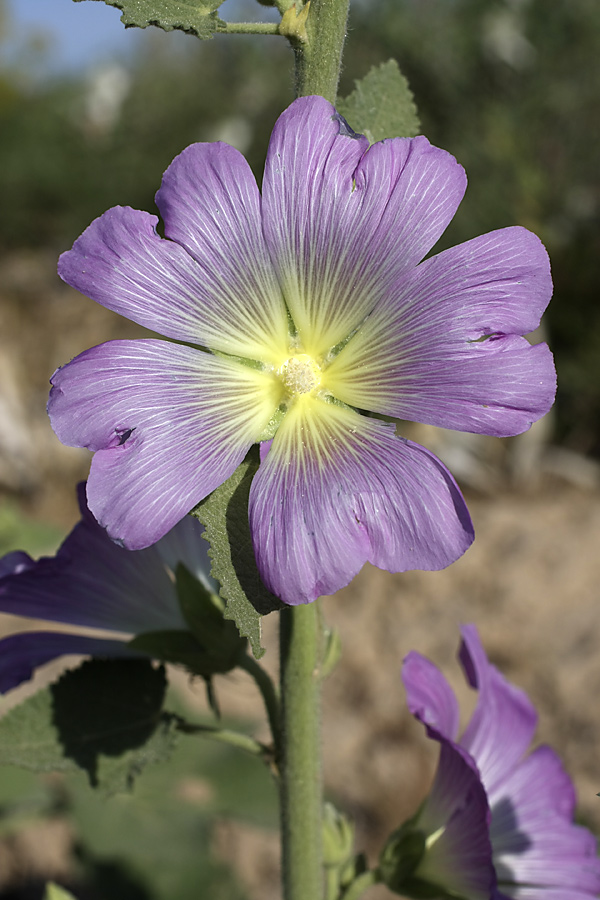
x: 78, y: 33
x: 84, y: 33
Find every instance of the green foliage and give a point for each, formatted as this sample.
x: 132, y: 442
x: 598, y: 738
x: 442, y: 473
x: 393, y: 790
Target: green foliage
x: 198, y: 18
x: 156, y: 842
x: 224, y: 514
x: 105, y: 718
x: 56, y: 892
x: 382, y: 104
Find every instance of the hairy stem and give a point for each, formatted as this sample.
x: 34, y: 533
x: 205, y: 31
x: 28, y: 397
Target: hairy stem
x: 269, y: 695
x: 301, y: 788
x: 319, y: 51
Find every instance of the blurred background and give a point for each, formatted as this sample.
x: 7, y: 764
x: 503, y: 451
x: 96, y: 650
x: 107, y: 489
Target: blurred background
x: 90, y: 116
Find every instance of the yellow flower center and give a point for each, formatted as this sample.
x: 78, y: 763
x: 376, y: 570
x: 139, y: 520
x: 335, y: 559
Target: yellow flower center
x: 300, y: 374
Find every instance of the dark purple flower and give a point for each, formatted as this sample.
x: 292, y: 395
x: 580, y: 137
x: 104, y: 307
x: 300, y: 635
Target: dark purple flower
x: 94, y: 583
x: 498, y: 822
x: 317, y: 307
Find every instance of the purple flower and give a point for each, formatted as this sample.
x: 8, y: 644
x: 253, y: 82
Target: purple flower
x: 498, y: 823
x: 305, y: 307
x: 94, y: 583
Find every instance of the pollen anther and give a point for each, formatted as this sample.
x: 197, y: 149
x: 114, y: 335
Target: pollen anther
x: 300, y: 374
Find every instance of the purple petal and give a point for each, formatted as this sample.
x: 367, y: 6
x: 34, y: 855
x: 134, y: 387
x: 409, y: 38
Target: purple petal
x: 459, y: 858
x: 168, y: 423
x: 185, y: 544
x: 21, y: 654
x: 445, y: 347
x: 338, y: 489
x: 227, y: 297
x: 541, y: 893
x: 534, y: 838
x: 95, y: 583
x: 342, y: 223
x: 504, y: 721
x: 15, y: 562
x: 210, y: 204
x: 429, y: 696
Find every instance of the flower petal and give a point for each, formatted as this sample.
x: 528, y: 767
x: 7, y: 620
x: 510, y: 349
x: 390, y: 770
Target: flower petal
x: 336, y: 490
x: 342, y: 223
x: 429, y: 696
x: 534, y: 838
x: 504, y: 721
x: 21, y: 654
x: 220, y: 300
x: 444, y: 349
x: 168, y: 423
x: 95, y: 583
x: 15, y: 562
x: 456, y: 817
x: 210, y: 204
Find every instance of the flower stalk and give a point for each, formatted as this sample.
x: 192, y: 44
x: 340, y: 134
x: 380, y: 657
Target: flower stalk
x: 319, y: 54
x: 301, y: 779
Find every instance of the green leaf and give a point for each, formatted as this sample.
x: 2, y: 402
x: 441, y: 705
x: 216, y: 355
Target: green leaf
x: 224, y: 514
x: 381, y: 105
x: 56, y: 892
x: 104, y: 717
x: 198, y: 18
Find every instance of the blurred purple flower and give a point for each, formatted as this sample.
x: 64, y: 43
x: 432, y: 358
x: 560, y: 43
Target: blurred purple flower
x: 316, y: 306
x: 498, y: 823
x: 94, y: 583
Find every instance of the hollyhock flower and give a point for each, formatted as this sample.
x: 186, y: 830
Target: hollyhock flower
x: 498, y: 823
x: 303, y: 312
x: 94, y: 583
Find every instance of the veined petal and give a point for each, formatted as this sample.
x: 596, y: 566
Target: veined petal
x: 504, y: 721
x: 121, y: 262
x: 342, y: 223
x: 445, y: 346
x: 429, y: 696
x: 337, y: 490
x: 168, y: 423
x: 95, y: 583
x: 21, y: 654
x: 210, y: 204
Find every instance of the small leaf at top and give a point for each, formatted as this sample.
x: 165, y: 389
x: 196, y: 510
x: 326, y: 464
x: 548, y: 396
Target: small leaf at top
x: 198, y: 17
x: 104, y: 717
x: 224, y: 514
x: 381, y: 105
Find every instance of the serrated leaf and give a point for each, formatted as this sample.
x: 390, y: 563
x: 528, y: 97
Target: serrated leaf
x: 198, y: 18
x: 224, y: 514
x: 381, y: 105
x: 104, y: 717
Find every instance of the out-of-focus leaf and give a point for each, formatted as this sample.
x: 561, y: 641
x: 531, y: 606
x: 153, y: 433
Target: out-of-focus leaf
x: 381, y: 105
x: 105, y: 717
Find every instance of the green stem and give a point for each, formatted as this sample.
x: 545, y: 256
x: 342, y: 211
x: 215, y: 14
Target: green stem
x: 361, y: 884
x: 270, y: 697
x: 301, y: 788
x: 225, y: 736
x: 319, y: 55
x: 249, y: 28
